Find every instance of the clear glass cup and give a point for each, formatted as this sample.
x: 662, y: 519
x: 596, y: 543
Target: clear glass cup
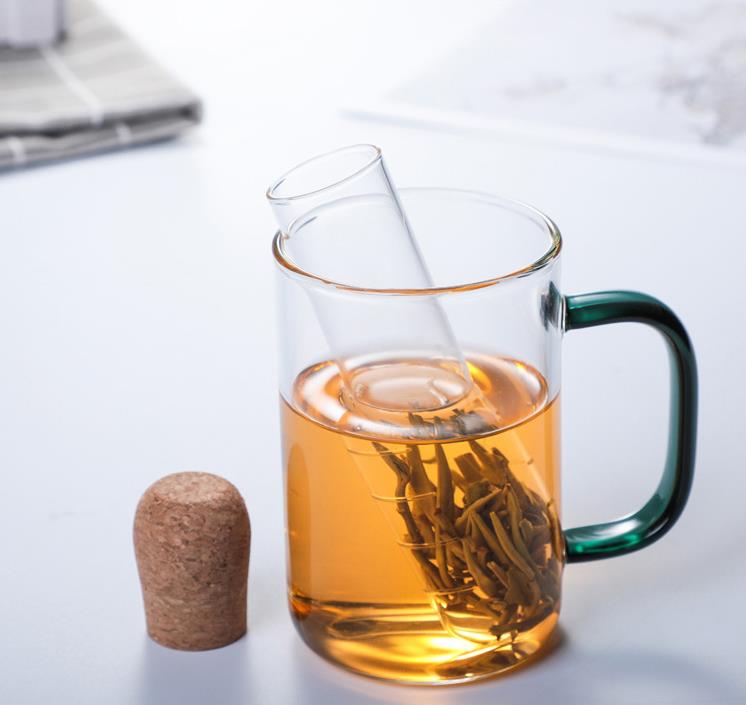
x: 424, y: 528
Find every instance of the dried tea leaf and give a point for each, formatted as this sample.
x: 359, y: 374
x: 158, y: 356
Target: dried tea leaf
x: 488, y: 586
x: 482, y: 605
x: 430, y: 572
x: 445, y: 485
x: 469, y: 468
x: 527, y: 531
x: 400, y: 492
x: 475, y: 506
x: 541, y: 537
x: 392, y: 460
x: 498, y: 572
x: 441, y: 560
x: 475, y: 536
x: 558, y: 540
x: 516, y: 593
x: 459, y: 481
x: 476, y: 491
x: 428, y: 535
x: 501, y: 465
x: 505, y: 543
x: 539, y: 555
x: 515, y: 518
x: 467, y: 423
x: 521, y: 590
x: 424, y: 489
x: 490, y: 539
x: 422, y: 429
x: 446, y: 525
x: 455, y: 559
x: 491, y: 470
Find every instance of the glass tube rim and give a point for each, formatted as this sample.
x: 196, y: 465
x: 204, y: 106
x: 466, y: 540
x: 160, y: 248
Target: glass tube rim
x: 375, y: 157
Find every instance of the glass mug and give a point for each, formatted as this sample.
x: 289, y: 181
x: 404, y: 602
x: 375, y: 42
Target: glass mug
x: 423, y: 491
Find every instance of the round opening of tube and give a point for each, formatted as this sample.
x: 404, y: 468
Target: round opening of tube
x: 324, y: 172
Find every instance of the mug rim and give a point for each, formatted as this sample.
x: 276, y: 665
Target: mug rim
x: 285, y: 263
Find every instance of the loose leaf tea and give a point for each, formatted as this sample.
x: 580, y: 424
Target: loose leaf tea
x: 487, y: 546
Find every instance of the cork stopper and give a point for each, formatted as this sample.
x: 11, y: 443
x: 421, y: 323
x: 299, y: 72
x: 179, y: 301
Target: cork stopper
x: 192, y: 539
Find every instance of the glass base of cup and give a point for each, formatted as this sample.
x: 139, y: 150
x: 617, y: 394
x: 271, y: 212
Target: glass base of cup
x: 406, y: 644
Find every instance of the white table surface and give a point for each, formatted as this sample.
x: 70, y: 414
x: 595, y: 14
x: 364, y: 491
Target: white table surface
x: 138, y: 340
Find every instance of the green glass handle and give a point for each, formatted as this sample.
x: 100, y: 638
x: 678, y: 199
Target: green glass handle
x: 630, y: 533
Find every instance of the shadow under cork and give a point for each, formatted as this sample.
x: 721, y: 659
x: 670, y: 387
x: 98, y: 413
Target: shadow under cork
x: 178, y: 677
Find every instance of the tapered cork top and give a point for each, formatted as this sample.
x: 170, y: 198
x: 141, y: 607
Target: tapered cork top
x: 192, y: 538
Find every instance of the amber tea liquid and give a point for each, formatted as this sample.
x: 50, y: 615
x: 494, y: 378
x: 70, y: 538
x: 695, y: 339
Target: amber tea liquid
x: 424, y: 546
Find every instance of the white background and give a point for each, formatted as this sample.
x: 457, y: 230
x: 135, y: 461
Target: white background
x: 137, y: 339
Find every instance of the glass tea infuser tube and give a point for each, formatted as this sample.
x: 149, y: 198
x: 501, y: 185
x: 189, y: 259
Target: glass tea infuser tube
x: 424, y: 528
x: 344, y: 202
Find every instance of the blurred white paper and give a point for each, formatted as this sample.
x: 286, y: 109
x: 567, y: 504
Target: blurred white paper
x: 609, y: 72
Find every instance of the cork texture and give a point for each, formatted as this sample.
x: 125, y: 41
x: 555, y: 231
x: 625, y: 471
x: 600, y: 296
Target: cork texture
x: 192, y: 538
